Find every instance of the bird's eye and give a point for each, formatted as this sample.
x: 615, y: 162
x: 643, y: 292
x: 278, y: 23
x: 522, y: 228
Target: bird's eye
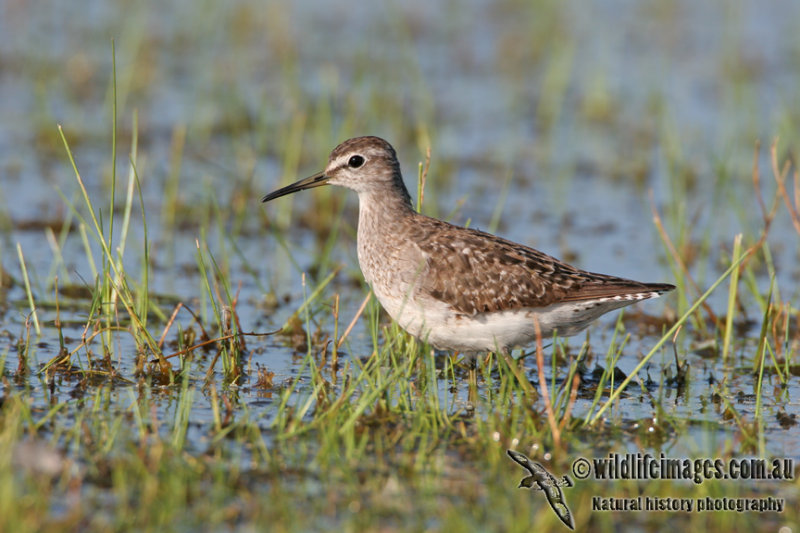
x: 355, y: 161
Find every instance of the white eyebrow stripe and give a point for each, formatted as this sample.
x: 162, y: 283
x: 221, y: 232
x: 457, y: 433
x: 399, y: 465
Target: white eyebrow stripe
x: 341, y: 160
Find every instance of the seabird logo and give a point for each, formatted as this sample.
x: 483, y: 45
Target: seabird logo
x: 541, y: 479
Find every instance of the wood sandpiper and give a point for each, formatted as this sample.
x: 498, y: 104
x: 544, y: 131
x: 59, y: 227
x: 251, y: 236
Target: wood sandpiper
x: 459, y: 288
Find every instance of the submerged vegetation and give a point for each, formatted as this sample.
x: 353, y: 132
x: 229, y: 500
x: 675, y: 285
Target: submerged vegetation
x: 178, y: 357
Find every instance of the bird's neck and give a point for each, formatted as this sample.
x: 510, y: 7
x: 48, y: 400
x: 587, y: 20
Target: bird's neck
x: 390, y: 202
x: 380, y: 225
x: 378, y: 210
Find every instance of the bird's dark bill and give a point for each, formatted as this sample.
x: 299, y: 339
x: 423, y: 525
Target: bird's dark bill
x: 308, y: 183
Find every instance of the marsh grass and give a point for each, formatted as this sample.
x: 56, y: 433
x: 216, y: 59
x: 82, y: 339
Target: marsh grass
x: 389, y: 432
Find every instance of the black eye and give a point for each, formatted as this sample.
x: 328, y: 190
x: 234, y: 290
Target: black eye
x: 356, y: 161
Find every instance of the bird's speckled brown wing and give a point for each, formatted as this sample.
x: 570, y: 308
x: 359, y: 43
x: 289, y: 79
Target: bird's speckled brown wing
x: 476, y: 272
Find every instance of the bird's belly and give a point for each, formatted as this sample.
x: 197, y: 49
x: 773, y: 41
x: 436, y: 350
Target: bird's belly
x: 438, y: 324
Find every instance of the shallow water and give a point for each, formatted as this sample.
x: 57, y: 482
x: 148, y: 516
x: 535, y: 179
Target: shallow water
x: 585, y: 107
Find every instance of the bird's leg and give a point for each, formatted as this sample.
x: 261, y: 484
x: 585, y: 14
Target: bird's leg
x: 473, y: 378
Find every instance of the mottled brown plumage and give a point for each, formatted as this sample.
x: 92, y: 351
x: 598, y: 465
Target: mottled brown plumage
x: 455, y: 287
x: 477, y: 272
